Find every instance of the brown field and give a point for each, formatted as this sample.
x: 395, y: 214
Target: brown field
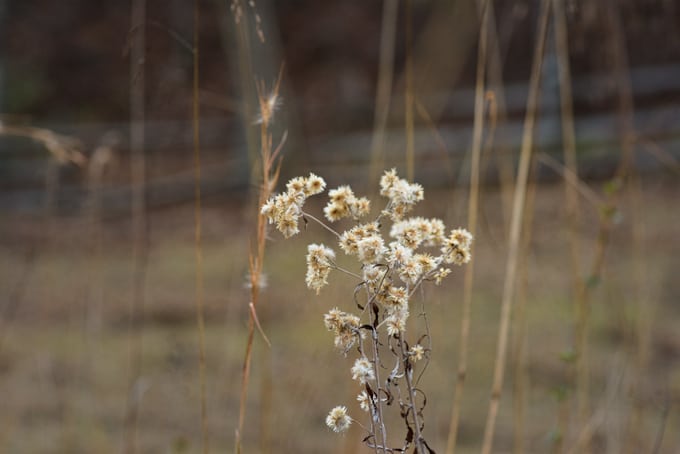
x: 138, y: 143
x: 64, y: 357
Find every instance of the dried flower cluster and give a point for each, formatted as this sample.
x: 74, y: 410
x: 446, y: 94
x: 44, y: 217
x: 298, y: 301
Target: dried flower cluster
x: 392, y: 267
x: 285, y: 209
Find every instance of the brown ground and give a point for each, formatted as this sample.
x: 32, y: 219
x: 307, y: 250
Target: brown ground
x: 65, y: 333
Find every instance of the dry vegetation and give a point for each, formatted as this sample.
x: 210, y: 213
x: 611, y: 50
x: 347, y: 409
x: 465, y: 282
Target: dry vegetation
x: 182, y: 324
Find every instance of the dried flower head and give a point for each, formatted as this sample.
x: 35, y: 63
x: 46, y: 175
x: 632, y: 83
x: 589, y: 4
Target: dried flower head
x: 440, y: 275
x: 373, y: 273
x: 345, y: 327
x: 396, y: 322
x: 314, y: 185
x: 456, y: 248
x: 363, y: 370
x: 343, y: 203
x: 338, y: 420
x: 285, y: 210
x: 417, y: 352
x: 319, y: 263
x: 364, y: 401
x: 401, y: 194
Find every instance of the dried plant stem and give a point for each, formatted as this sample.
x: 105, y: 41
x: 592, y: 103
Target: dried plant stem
x: 378, y: 404
x: 515, y: 228
x: 139, y: 222
x: 256, y: 259
x: 409, y: 95
x: 644, y: 306
x: 384, y: 89
x: 521, y: 376
x: 473, y: 204
x: 198, y: 246
x: 408, y: 375
x: 571, y: 178
x: 570, y: 171
x: 496, y: 96
x: 321, y: 223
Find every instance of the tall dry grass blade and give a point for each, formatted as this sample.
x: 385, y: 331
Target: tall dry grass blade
x: 384, y: 88
x: 661, y: 155
x: 608, y: 210
x: 270, y: 171
x: 409, y: 95
x: 198, y: 243
x: 436, y: 135
x: 139, y: 221
x: 572, y: 179
x: 498, y: 109
x: 516, y: 227
x: 572, y: 206
x: 521, y: 374
x: 247, y: 85
x: 643, y: 306
x: 473, y: 205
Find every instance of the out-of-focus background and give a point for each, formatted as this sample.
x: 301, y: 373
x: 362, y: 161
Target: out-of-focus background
x: 99, y: 342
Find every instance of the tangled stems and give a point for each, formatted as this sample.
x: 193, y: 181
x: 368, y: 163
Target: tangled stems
x: 378, y: 400
x: 408, y: 374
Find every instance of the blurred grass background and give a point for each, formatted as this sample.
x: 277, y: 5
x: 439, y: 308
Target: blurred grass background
x: 67, y: 235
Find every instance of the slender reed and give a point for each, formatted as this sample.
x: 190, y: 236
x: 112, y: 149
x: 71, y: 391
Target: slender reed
x: 516, y: 227
x: 139, y: 221
x: 643, y: 304
x: 473, y: 204
x: 571, y: 168
x: 409, y: 94
x: 198, y: 246
x: 521, y: 375
x: 496, y: 97
x: 270, y: 171
x: 384, y: 90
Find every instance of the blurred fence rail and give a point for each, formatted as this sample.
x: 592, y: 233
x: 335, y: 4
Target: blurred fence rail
x: 440, y: 149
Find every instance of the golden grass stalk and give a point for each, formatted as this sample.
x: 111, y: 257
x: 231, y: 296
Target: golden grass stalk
x: 410, y: 95
x: 270, y: 173
x: 571, y: 191
x: 384, y: 89
x: 473, y: 203
x: 198, y: 247
x: 498, y: 112
x: 643, y: 305
x: 521, y: 376
x: 139, y: 222
x: 516, y: 228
